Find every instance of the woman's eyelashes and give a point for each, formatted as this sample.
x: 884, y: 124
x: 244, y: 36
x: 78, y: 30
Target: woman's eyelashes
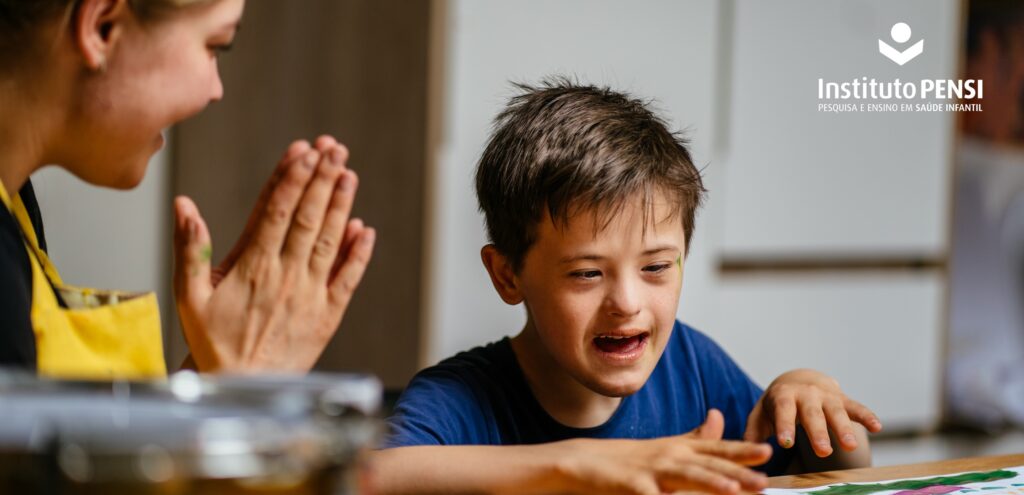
x: 218, y: 49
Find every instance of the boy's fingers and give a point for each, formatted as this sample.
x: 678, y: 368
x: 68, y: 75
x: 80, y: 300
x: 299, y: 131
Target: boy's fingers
x: 749, y: 480
x: 758, y: 427
x: 276, y: 216
x: 840, y: 424
x: 813, y: 420
x: 311, y: 212
x: 785, y: 421
x: 746, y: 453
x: 861, y: 414
x: 330, y: 242
x: 632, y: 483
x: 712, y: 428
x: 192, y: 253
x: 691, y: 475
x: 344, y: 283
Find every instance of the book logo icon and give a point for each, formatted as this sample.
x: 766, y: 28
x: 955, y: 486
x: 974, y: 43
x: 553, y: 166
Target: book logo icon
x: 900, y: 34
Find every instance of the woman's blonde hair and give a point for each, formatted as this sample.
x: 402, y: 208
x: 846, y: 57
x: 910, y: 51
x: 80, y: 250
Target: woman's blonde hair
x: 20, y: 21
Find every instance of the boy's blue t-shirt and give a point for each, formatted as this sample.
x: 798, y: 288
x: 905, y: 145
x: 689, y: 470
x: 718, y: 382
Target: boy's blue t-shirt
x: 481, y: 397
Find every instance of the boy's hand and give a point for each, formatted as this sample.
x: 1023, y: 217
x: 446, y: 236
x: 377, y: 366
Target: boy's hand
x: 663, y: 465
x: 821, y: 407
x: 712, y: 429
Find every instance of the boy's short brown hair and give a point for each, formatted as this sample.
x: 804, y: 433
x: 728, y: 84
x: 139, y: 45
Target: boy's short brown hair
x: 568, y: 148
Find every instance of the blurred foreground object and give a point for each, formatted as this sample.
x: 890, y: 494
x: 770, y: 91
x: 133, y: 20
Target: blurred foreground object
x: 190, y: 434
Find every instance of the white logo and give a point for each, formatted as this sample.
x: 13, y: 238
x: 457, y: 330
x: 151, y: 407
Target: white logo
x: 900, y: 34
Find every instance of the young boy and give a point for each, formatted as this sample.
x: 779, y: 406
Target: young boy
x: 590, y: 202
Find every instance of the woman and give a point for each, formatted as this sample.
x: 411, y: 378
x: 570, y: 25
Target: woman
x: 89, y: 85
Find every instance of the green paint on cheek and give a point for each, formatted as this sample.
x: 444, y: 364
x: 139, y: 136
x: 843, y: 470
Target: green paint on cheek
x: 679, y: 262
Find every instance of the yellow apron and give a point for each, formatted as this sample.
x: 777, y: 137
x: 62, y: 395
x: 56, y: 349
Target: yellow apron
x: 100, y: 334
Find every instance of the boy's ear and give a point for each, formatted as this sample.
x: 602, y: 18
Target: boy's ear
x: 502, y: 275
x: 98, y: 26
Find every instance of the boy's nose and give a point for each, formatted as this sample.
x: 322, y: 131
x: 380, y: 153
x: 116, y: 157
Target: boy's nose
x: 623, y: 300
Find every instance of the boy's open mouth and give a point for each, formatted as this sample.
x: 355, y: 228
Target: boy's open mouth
x: 620, y: 344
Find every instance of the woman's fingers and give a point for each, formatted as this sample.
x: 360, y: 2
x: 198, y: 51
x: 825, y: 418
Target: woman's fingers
x: 295, y: 152
x: 351, y: 269
x: 331, y: 243
x: 313, y: 208
x: 353, y: 231
x: 276, y: 219
x: 324, y: 143
x: 192, y: 252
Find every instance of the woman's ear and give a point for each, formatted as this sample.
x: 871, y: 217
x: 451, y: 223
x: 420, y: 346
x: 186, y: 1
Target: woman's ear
x: 502, y: 275
x: 98, y: 25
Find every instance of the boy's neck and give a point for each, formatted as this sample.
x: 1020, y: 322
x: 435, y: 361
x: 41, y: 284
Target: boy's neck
x: 566, y: 400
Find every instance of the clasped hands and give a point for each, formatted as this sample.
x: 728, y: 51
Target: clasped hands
x: 279, y: 295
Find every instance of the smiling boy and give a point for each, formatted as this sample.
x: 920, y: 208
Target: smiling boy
x: 590, y: 203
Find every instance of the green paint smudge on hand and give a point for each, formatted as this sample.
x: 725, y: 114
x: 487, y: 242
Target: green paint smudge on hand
x: 205, y: 253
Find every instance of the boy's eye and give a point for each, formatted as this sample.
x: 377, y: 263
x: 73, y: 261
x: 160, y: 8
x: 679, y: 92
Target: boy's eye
x: 657, y: 268
x: 586, y: 274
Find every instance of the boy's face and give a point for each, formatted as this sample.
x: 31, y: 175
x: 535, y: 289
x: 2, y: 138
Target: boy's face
x: 603, y: 301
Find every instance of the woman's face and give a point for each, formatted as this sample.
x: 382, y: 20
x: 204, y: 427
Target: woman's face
x: 157, y: 73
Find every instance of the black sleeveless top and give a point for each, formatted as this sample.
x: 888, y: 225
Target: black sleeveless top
x: 17, y: 339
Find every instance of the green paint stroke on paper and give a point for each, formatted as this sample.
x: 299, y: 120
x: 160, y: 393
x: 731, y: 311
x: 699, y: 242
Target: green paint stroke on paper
x: 960, y: 479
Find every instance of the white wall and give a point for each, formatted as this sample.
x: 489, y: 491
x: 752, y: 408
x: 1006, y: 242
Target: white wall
x: 804, y: 183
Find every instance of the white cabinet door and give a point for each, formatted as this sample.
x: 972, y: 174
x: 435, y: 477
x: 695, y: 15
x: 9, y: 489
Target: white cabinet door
x: 878, y: 334
x: 802, y: 183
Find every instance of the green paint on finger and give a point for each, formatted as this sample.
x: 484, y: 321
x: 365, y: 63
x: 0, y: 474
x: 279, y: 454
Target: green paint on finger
x: 205, y: 253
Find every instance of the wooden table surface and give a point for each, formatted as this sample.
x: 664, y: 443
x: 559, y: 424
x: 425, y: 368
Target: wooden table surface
x: 897, y: 472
